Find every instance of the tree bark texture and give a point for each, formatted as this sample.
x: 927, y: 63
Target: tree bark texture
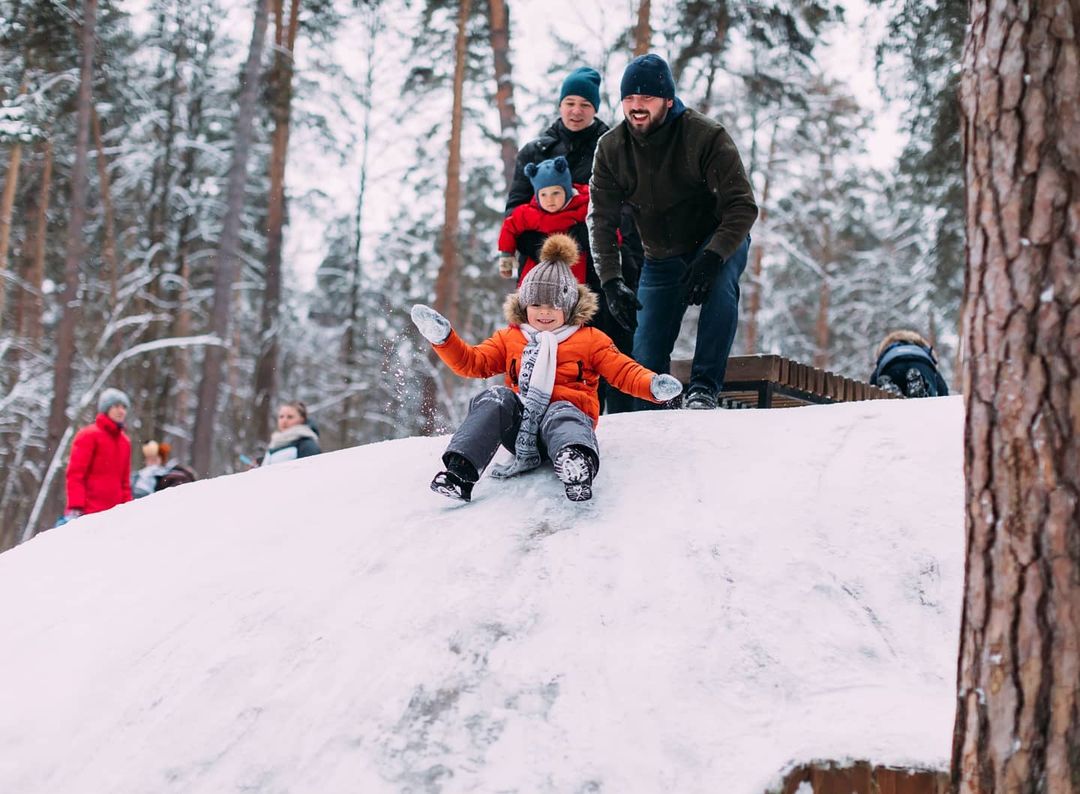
x: 504, y: 86
x: 446, y: 285
x: 226, y: 260
x: 643, y: 29
x: 108, y: 249
x: 32, y: 304
x: 7, y: 203
x: 281, y: 98
x: 69, y: 295
x: 1018, y: 714
x: 753, y: 308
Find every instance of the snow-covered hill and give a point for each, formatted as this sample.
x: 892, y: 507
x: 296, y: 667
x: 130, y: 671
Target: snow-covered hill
x: 747, y: 590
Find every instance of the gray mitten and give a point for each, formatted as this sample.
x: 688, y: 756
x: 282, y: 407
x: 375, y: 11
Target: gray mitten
x: 433, y: 326
x: 665, y: 387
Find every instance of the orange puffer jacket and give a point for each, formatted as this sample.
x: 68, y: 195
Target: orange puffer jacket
x: 582, y: 359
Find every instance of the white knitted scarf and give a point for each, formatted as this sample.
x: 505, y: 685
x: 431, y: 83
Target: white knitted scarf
x: 536, y: 381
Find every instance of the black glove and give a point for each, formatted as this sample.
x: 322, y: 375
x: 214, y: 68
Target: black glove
x: 622, y: 303
x: 699, y: 277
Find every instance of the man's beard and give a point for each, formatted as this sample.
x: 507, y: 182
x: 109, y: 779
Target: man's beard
x: 653, y: 125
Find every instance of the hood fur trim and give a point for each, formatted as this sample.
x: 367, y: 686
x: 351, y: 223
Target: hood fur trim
x: 587, y: 306
x: 290, y: 435
x: 902, y: 336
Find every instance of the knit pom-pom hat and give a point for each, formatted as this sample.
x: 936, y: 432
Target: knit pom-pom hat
x: 552, y: 281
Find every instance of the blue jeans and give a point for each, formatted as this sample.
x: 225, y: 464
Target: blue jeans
x: 663, y: 300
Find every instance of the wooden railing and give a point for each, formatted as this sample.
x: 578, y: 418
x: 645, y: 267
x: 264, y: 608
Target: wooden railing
x: 770, y: 381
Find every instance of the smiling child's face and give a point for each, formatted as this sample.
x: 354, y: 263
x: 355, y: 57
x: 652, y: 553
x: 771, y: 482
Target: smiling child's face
x: 545, y: 317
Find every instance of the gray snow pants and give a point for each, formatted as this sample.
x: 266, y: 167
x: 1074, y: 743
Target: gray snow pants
x: 495, y: 416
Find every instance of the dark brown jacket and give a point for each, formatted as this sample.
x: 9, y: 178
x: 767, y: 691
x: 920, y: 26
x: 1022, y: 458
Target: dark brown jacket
x: 684, y: 183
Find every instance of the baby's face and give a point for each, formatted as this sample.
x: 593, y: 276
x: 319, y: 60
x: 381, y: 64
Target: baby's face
x: 552, y: 199
x: 544, y: 316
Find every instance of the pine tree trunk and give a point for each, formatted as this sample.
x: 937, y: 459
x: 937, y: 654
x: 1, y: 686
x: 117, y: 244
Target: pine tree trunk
x: 281, y: 92
x: 7, y: 203
x: 504, y: 85
x: 446, y: 285
x: 108, y: 250
x: 32, y: 305
x: 643, y: 29
x: 1018, y: 716
x: 69, y: 295
x: 821, y: 335
x: 225, y: 262
x: 348, y: 341
x: 753, y: 307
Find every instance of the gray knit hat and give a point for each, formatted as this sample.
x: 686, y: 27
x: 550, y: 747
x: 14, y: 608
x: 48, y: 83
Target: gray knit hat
x: 111, y: 397
x: 552, y: 281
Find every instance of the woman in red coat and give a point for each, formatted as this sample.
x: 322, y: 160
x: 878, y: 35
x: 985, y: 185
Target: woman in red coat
x: 99, y: 471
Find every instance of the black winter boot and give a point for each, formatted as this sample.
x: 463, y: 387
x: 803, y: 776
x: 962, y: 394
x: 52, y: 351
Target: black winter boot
x: 575, y: 468
x: 459, y: 478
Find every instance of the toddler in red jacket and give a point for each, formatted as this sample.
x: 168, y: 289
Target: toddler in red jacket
x: 558, y: 206
x: 552, y: 362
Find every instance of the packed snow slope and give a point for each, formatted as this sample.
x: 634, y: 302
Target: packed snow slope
x: 747, y: 590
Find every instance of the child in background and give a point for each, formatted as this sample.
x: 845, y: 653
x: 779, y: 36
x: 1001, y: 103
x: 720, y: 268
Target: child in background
x: 552, y: 362
x: 155, y: 460
x: 906, y: 365
x: 558, y: 206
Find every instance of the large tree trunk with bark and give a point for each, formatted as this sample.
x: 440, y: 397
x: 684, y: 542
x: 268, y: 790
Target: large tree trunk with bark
x: 1018, y: 716
x: 281, y: 97
x: 225, y: 262
x: 69, y: 295
x: 108, y: 249
x: 504, y: 86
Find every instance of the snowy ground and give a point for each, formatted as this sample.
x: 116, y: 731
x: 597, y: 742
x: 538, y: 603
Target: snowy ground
x: 748, y: 590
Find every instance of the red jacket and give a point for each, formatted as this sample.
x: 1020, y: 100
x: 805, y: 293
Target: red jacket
x: 581, y: 360
x: 530, y: 218
x: 99, y: 471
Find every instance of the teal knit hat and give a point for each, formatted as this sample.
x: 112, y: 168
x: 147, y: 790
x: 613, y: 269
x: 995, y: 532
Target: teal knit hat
x: 583, y: 82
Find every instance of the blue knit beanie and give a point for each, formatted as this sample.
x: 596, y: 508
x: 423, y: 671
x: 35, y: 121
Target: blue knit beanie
x: 111, y: 397
x: 583, y: 82
x: 648, y: 75
x: 551, y: 173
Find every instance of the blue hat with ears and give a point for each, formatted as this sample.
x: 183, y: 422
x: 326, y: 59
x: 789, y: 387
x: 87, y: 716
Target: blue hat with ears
x: 583, y: 82
x: 648, y: 75
x: 551, y: 173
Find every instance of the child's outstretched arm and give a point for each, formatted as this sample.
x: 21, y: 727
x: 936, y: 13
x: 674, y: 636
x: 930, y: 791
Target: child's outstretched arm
x: 628, y: 376
x: 471, y: 361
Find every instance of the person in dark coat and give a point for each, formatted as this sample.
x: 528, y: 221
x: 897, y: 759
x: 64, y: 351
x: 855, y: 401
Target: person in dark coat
x: 296, y: 437
x: 906, y: 365
x: 99, y: 470
x: 681, y: 174
x: 574, y: 135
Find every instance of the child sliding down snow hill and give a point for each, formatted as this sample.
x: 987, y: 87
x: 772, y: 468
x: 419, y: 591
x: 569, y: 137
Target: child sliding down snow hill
x: 548, y: 408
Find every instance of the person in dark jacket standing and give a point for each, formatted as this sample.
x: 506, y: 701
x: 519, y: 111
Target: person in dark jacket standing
x: 99, y: 470
x: 682, y: 176
x: 574, y: 136
x: 295, y: 437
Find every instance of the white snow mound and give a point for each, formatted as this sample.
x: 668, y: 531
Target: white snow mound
x: 747, y: 590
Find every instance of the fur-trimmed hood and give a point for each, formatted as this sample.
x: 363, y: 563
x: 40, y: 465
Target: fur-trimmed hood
x: 559, y: 248
x: 291, y: 435
x: 903, y: 335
